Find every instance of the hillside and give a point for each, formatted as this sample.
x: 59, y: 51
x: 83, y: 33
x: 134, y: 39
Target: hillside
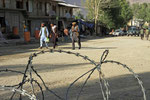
x: 139, y: 1
x: 78, y: 2
x: 83, y: 11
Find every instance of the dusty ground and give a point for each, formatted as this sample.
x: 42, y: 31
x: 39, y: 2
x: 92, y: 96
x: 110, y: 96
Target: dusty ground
x: 60, y: 70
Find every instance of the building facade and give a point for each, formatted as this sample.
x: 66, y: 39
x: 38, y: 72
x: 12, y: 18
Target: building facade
x: 30, y: 13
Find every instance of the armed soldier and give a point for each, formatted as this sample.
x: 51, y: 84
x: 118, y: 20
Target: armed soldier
x: 147, y: 34
x: 142, y: 33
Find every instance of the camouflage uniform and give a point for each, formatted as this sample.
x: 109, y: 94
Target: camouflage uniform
x: 142, y: 33
x: 147, y: 34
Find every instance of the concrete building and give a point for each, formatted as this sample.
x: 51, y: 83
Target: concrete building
x: 30, y: 13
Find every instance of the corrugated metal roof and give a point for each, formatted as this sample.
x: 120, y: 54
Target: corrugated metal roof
x: 62, y: 1
x: 68, y: 5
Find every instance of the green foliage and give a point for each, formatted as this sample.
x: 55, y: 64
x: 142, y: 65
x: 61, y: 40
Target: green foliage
x: 113, y: 13
x: 90, y: 10
x: 79, y: 15
x: 142, y: 11
x: 126, y: 11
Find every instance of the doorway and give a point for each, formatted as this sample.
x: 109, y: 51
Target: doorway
x: 19, y: 4
x: 3, y: 24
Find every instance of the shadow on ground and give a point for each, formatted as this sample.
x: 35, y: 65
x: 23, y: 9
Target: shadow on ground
x: 11, y: 50
x: 90, y: 48
x: 123, y: 87
x: 33, y: 47
x: 43, y: 68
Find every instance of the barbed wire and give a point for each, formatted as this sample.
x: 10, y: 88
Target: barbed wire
x: 103, y: 83
x: 85, y: 58
x: 15, y: 88
x: 14, y: 71
x: 134, y: 74
x: 22, y: 92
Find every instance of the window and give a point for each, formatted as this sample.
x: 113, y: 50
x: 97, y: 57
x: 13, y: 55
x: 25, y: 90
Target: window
x: 66, y: 11
x: 54, y: 8
x: 3, y: 3
x: 27, y: 6
x: 2, y: 24
x: 19, y: 4
x: 40, y: 5
x: 30, y: 5
x: 70, y: 11
x: 47, y: 8
x: 2, y: 21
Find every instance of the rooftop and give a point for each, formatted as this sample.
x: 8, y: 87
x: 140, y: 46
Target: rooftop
x: 63, y: 3
x: 68, y: 5
x: 59, y: 1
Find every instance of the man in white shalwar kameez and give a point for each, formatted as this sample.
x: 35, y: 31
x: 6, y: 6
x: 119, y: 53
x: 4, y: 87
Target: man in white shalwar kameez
x: 43, y: 35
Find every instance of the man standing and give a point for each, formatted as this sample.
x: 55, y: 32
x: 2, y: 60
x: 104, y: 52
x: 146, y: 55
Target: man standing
x: 75, y: 35
x: 147, y: 34
x: 54, y: 35
x: 43, y: 35
x: 142, y: 33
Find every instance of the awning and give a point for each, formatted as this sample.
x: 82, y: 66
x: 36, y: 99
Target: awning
x: 62, y: 1
x: 68, y: 5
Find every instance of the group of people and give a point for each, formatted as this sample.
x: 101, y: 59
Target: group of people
x: 44, y: 35
x: 145, y: 33
x: 53, y: 35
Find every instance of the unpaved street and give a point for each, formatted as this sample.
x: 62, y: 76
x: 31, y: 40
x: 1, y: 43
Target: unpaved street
x: 59, y: 70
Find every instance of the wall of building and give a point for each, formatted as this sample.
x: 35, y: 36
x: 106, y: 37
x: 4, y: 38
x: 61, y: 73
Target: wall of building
x: 2, y: 14
x: 7, y: 3
x: 63, y: 11
x: 1, y: 4
x: 15, y: 17
x: 13, y: 4
x: 36, y: 24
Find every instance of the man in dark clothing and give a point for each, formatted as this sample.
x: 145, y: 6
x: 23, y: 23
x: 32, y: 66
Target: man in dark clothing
x: 54, y: 35
x: 75, y: 35
x: 147, y: 34
x: 142, y: 33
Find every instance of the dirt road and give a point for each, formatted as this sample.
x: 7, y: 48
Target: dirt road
x: 59, y: 70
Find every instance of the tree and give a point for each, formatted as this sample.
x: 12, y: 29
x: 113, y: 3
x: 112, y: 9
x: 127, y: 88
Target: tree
x: 141, y: 11
x: 94, y: 10
x: 113, y: 13
x: 147, y: 13
x: 110, y: 14
x: 126, y: 11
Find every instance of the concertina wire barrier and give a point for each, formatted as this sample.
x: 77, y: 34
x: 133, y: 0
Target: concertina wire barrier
x: 103, y: 83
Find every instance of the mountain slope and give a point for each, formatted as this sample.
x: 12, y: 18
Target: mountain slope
x: 139, y: 1
x: 78, y: 2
